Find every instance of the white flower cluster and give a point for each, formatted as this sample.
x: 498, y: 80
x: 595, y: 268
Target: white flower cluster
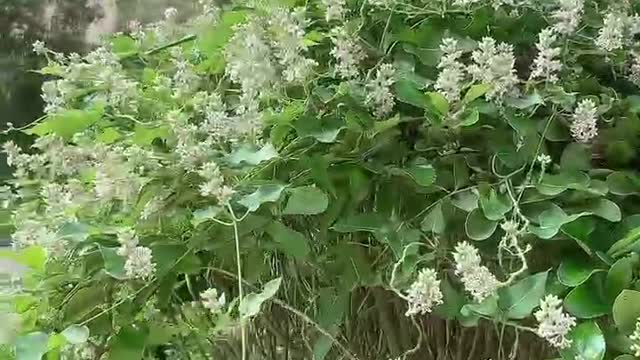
x: 214, y: 183
x: 584, y: 124
x: 287, y: 29
x: 34, y: 233
x: 635, y: 339
x: 611, y: 35
x: 335, y: 9
x: 546, y: 65
x: 116, y: 180
x: 452, y: 71
x: 249, y: 63
x: 494, y: 65
x: 213, y: 302
x: 568, y: 16
x: 139, y: 261
x: 477, y: 279
x: 553, y: 323
x: 347, y: 52
x: 379, y: 95
x: 424, y: 293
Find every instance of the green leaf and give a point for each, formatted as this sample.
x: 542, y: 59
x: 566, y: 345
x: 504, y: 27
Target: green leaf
x: 175, y: 258
x: 466, y: 200
x: 518, y: 300
x: 306, y: 200
x: 325, y: 130
x: 587, y: 343
x: 264, y: 194
x: 32, y: 346
x: 576, y: 157
x: 10, y: 327
x: 113, y: 263
x: 452, y: 303
x: 469, y: 119
x: 525, y: 102
x: 493, y: 206
x: 585, y: 300
x: 252, y: 156
x: 475, y: 92
x: 128, y: 344
x: 554, y: 184
x: 621, y: 183
x: 434, y: 221
x: 372, y: 222
x: 250, y: 305
x: 145, y: 136
x: 626, y: 310
x: 67, y: 123
x: 123, y: 46
x: 215, y: 38
x: 109, y: 135
x: 488, y: 307
x: 203, y: 215
x: 288, y: 241
x: 605, y: 209
x: 76, y: 334
x: 422, y: 174
x: 576, y: 270
x: 623, y: 245
x: 478, y: 227
x: 620, y: 276
x: 407, y: 92
x: 438, y: 102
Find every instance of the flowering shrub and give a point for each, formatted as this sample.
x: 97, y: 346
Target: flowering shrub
x: 293, y: 180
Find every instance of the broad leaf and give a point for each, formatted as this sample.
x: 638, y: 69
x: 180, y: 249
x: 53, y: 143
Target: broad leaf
x: 250, y: 305
x: 574, y: 271
x: 306, y: 200
x: 128, y: 344
x: 32, y: 346
x: 626, y: 310
x: 518, y: 300
x: 264, y: 194
x: 76, y: 334
x: 478, y: 227
x: 434, y: 221
x: 251, y: 156
x: 494, y: 206
x: 203, y: 215
x: 587, y: 343
x: 585, y: 301
x: 67, y: 123
x: 288, y: 241
x: 620, y: 276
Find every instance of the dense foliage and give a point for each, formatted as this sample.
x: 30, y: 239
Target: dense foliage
x: 328, y: 179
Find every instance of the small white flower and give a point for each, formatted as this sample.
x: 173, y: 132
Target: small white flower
x: 452, y: 72
x: 347, y: 52
x: 477, y: 279
x: 128, y: 241
x: 379, y: 94
x: 213, y: 302
x: 635, y: 339
x: 553, y: 323
x: 494, y: 65
x: 546, y: 65
x: 139, y: 263
x: 584, y: 124
x: 170, y: 13
x: 424, y: 293
x: 611, y: 35
x: 39, y: 47
x: 335, y: 9
x: 544, y: 159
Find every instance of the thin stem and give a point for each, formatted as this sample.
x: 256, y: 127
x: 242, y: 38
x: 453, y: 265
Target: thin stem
x: 243, y: 334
